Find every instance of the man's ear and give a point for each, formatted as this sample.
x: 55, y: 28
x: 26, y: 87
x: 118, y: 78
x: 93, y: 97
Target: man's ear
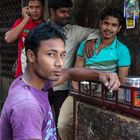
x: 52, y: 11
x: 30, y: 56
x: 119, y: 28
x: 100, y: 22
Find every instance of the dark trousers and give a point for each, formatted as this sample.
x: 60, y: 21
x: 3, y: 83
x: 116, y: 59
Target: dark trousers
x: 56, y: 99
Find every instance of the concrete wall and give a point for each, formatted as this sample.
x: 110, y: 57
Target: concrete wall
x: 95, y: 123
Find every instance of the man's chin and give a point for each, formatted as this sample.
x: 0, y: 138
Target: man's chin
x: 64, y: 23
x: 36, y: 18
x: 54, y: 78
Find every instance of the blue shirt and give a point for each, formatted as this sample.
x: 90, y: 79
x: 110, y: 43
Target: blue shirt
x: 109, y: 58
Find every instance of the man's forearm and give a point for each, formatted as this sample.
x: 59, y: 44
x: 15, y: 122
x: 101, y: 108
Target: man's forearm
x: 107, y: 78
x: 79, y: 74
x: 94, y: 35
x: 13, y: 34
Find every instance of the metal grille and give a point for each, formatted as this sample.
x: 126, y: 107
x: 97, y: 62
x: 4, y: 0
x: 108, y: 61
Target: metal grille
x: 9, y: 11
x: 117, y: 101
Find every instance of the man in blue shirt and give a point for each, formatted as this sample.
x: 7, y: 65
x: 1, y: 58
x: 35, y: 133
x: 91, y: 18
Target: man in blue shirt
x: 109, y: 54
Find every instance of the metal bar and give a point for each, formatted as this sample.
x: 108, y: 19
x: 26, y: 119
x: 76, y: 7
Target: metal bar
x: 74, y: 118
x: 132, y: 97
x: 115, y: 105
x: 116, y: 98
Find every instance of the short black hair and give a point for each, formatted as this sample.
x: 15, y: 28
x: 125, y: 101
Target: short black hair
x: 41, y: 1
x: 109, y: 11
x: 56, y: 4
x: 42, y: 32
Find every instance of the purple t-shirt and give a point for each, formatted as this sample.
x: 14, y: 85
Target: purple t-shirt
x: 27, y: 114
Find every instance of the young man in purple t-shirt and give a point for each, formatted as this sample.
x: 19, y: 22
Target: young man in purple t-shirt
x: 26, y: 112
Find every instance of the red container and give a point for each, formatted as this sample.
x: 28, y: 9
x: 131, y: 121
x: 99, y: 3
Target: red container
x: 132, y: 81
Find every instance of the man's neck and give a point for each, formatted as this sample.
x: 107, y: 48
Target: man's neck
x: 38, y: 21
x: 55, y: 23
x: 104, y: 43
x: 33, y: 80
x: 107, y: 42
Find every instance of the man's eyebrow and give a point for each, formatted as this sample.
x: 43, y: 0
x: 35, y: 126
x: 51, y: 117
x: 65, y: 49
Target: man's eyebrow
x: 53, y: 50
x: 64, y: 52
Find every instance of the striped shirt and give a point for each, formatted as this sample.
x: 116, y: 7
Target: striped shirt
x: 109, y: 58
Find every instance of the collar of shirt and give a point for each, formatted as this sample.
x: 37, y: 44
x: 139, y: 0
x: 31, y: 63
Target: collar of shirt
x: 46, y: 86
x: 65, y: 29
x: 111, y: 46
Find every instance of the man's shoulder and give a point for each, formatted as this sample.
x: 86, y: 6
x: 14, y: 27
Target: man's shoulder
x: 19, y: 98
x: 19, y: 93
x: 18, y: 20
x: 73, y: 27
x: 16, y: 84
x: 121, y: 48
x: 120, y: 45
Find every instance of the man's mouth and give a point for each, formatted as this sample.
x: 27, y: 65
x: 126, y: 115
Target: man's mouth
x: 108, y: 33
x: 34, y: 15
x: 65, y: 19
x: 57, y: 72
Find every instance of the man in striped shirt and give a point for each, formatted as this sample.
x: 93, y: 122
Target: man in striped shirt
x: 109, y: 54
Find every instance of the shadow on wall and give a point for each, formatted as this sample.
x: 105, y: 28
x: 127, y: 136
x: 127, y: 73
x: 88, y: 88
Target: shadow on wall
x: 90, y: 10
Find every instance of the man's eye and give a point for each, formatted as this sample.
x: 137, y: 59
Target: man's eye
x: 105, y: 23
x: 63, y: 56
x: 114, y: 25
x: 62, y: 11
x: 50, y: 54
x: 37, y: 7
x: 31, y: 7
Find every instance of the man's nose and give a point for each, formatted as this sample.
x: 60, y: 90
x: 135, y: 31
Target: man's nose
x: 67, y: 14
x: 109, y: 27
x: 34, y: 9
x: 59, y: 62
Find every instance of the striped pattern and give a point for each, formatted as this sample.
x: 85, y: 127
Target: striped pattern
x: 110, y: 65
x: 104, y: 66
x: 108, y: 59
